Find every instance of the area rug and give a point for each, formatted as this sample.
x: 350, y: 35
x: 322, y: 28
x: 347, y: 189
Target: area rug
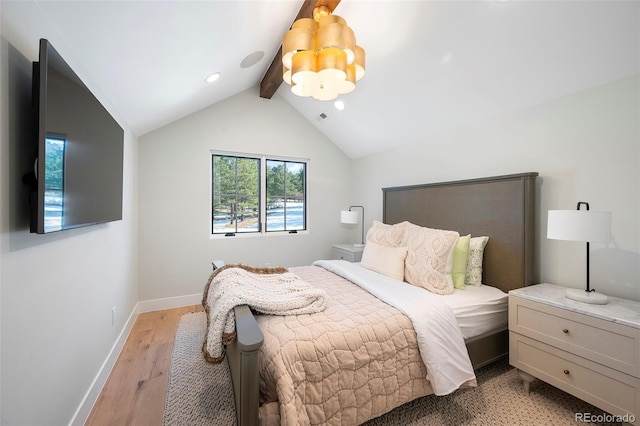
x: 201, y: 394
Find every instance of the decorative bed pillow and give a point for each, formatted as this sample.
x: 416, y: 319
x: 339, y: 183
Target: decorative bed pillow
x: 430, y: 258
x: 385, y: 260
x: 474, y: 261
x: 386, y: 235
x: 459, y: 268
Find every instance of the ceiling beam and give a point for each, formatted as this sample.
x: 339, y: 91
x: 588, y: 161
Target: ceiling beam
x: 273, y: 77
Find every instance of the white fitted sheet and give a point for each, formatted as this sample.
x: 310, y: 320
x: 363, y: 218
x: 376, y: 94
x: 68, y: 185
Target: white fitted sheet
x: 478, y: 309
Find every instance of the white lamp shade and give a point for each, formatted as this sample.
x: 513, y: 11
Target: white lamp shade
x: 579, y: 225
x: 347, y: 216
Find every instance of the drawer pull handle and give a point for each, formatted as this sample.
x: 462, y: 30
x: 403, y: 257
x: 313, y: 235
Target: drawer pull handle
x: 566, y: 372
x: 565, y: 331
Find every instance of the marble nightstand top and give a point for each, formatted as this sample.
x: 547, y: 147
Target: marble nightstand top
x: 618, y: 310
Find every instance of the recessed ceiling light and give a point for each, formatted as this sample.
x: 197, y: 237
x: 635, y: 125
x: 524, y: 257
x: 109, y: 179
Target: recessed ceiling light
x: 213, y: 77
x: 339, y: 105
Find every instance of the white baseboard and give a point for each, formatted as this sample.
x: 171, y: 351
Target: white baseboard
x: 82, y: 413
x: 169, y: 303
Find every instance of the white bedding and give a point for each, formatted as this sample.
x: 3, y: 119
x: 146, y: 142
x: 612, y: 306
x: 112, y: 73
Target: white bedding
x: 440, y: 341
x: 478, y: 309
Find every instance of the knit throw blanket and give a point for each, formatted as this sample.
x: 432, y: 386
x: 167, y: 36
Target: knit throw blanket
x: 273, y: 291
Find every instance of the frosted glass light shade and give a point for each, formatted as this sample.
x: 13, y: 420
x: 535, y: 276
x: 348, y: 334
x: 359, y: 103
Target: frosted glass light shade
x: 347, y: 216
x: 579, y: 225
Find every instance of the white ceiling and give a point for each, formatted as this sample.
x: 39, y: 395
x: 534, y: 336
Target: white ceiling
x: 431, y: 65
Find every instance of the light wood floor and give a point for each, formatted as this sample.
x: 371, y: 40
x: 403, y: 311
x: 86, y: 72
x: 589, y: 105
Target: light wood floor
x: 136, y: 390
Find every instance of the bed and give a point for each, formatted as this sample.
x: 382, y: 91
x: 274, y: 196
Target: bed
x: 501, y: 207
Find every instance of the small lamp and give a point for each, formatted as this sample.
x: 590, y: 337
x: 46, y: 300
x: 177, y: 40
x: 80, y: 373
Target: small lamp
x: 586, y: 226
x: 351, y: 217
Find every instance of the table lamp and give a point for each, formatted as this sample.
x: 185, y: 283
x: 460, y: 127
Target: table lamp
x: 351, y: 217
x: 586, y: 226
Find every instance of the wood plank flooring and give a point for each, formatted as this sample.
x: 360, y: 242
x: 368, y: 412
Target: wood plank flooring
x: 136, y: 390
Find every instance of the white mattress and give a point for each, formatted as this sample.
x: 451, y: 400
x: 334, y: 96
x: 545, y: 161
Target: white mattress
x: 478, y: 309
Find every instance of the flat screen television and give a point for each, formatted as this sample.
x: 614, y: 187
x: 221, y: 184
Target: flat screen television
x: 78, y: 170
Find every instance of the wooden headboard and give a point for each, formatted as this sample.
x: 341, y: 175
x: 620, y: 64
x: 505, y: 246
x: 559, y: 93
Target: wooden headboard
x: 500, y: 207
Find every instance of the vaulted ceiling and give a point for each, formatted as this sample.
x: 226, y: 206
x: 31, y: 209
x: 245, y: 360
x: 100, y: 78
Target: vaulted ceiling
x: 432, y: 66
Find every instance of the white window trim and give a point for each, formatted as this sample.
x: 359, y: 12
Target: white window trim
x: 263, y: 195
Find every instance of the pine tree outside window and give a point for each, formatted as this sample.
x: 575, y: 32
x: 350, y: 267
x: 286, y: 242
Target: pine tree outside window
x: 257, y: 195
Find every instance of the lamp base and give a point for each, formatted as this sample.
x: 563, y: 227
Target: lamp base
x: 358, y: 245
x: 586, y: 296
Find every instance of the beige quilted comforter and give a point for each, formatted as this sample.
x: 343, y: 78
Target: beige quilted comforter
x: 355, y: 361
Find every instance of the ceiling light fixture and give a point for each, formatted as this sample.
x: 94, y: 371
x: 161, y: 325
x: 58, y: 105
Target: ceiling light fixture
x: 320, y: 57
x: 213, y: 77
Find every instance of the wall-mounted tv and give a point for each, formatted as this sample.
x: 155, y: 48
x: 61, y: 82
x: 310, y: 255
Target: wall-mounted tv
x: 79, y: 165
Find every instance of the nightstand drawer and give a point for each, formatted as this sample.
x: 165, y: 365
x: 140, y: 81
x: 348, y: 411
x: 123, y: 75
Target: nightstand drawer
x: 608, y: 389
x: 349, y: 254
x: 605, y: 342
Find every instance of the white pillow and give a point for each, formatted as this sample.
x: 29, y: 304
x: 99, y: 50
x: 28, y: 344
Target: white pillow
x: 385, y: 260
x: 430, y: 257
x: 474, y: 261
x: 386, y: 235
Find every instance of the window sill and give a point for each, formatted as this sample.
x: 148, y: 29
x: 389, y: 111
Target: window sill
x: 257, y: 235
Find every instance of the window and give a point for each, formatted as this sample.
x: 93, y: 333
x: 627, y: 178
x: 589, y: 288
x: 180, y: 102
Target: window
x: 53, y: 183
x: 249, y: 191
x: 236, y: 194
x: 286, y: 181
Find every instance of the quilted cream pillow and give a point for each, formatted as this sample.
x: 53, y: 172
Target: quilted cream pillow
x: 474, y: 261
x: 385, y: 260
x: 430, y: 257
x: 386, y: 235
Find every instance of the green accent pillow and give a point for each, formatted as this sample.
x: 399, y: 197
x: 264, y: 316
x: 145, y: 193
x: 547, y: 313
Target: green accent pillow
x: 459, y: 269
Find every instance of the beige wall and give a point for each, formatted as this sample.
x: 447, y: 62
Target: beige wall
x: 175, y: 248
x: 585, y: 146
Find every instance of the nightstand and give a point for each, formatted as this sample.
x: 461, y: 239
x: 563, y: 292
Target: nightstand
x: 347, y: 252
x: 589, y: 351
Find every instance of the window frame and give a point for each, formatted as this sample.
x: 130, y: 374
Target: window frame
x: 262, y: 231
